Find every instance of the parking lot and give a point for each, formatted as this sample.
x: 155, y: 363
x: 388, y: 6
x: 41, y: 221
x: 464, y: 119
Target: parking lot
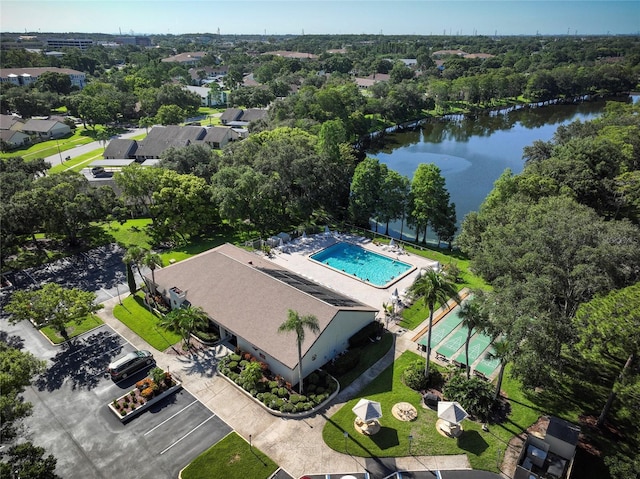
x: 71, y: 419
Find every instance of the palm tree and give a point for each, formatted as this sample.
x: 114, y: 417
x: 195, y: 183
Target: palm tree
x: 472, y: 317
x: 133, y: 257
x: 185, y: 321
x: 298, y: 323
x: 152, y: 260
x: 501, y: 351
x: 434, y: 288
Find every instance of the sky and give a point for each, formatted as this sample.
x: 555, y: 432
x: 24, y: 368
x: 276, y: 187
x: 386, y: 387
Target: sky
x: 270, y: 17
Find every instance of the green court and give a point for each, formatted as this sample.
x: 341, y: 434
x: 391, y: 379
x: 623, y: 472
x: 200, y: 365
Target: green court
x: 443, y: 328
x: 450, y: 346
x: 477, y: 345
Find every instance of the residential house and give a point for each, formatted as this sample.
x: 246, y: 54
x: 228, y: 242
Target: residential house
x: 120, y: 149
x: 238, y: 117
x: 161, y: 138
x: 201, y: 74
x: 46, y: 129
x: 367, y: 82
x: 248, y: 298
x: 28, y: 76
x: 11, y: 122
x: 207, y: 96
x: 218, y: 137
x: 186, y: 58
x: 11, y: 139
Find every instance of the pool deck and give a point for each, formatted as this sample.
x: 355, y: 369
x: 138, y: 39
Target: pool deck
x: 295, y: 257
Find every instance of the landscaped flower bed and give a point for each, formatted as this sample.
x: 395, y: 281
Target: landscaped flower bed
x: 148, y: 391
x: 273, y: 391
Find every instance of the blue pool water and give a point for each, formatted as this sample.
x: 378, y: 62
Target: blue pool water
x: 373, y: 268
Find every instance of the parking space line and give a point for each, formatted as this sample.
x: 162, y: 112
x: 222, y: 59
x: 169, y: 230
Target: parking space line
x: 168, y: 419
x: 108, y: 293
x: 193, y: 430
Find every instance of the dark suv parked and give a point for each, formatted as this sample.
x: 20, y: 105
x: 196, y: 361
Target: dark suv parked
x: 129, y: 364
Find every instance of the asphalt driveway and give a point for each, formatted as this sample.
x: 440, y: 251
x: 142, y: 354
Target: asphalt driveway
x: 71, y: 419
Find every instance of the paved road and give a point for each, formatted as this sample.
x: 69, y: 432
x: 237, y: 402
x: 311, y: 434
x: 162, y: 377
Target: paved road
x: 71, y: 419
x: 89, y: 147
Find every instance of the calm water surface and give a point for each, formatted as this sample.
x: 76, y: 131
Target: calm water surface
x: 472, y: 154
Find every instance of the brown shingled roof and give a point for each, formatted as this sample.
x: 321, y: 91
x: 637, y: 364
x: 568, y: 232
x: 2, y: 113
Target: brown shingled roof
x: 235, y: 288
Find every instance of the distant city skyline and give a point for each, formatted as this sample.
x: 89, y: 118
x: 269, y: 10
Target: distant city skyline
x: 267, y: 17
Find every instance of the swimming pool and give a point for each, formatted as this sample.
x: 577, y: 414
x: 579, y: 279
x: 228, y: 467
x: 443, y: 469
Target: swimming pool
x: 373, y: 268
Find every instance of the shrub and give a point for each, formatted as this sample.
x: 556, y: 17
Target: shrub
x: 235, y: 357
x: 157, y: 374
x: 123, y: 413
x: 273, y: 384
x: 414, y: 377
x: 344, y: 363
x: 243, y: 363
x: 287, y: 407
x: 232, y: 365
x: 147, y: 393
x: 320, y: 390
x: 313, y: 379
x: 283, y: 392
x: 362, y: 337
x: 436, y: 379
x: 310, y: 388
x: 296, y: 398
x: 474, y: 395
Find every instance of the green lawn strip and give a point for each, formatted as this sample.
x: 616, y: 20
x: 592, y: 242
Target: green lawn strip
x: 50, y: 147
x: 393, y: 438
x: 137, y: 317
x: 73, y: 329
x: 231, y: 458
x: 79, y: 162
x: 368, y: 355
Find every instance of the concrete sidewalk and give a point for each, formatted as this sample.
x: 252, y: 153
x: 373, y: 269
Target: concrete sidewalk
x: 296, y: 445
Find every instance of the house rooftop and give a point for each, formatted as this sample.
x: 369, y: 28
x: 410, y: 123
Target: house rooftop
x: 250, y: 296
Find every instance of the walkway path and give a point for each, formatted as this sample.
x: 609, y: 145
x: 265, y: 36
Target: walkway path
x: 296, y: 445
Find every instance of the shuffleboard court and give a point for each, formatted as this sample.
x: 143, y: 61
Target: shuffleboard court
x: 450, y: 347
x: 442, y: 328
x: 487, y: 366
x: 477, y: 345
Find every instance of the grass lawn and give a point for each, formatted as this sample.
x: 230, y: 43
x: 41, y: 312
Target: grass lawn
x: 131, y: 233
x: 137, y: 317
x: 231, y: 458
x: 79, y: 162
x: 50, y: 147
x: 73, y: 329
x: 393, y: 439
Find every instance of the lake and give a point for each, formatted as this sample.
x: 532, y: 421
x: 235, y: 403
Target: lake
x: 473, y: 153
